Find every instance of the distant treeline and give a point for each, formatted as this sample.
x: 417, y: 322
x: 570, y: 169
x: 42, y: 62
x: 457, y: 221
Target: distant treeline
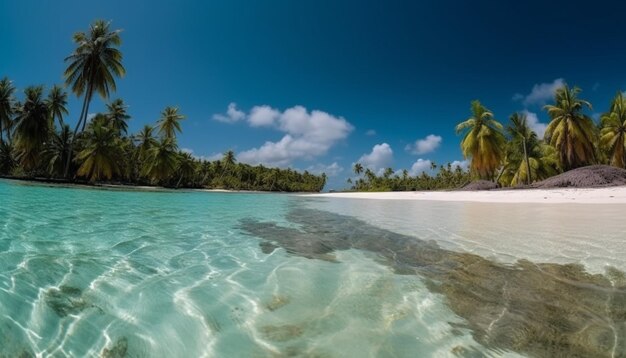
x: 35, y: 141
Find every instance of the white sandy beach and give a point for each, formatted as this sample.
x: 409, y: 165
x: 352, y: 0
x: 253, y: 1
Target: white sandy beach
x: 611, y: 195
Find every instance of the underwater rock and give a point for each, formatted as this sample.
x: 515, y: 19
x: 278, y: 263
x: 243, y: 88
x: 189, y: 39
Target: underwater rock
x: 282, y: 333
x: 119, y: 349
x: 65, y: 300
x: 537, y: 309
x: 277, y: 302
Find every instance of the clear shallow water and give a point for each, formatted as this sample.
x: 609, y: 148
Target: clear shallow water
x: 108, y: 273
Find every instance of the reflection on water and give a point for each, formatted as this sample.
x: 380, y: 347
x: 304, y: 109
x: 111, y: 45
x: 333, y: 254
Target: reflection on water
x: 539, y: 309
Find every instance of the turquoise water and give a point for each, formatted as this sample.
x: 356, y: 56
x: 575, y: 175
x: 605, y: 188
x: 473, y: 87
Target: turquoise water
x: 193, y: 274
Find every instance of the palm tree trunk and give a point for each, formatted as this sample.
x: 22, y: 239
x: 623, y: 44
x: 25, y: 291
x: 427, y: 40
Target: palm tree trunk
x: 80, y: 119
x: 528, y: 178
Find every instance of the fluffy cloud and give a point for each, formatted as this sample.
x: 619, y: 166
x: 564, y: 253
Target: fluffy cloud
x: 463, y: 164
x: 307, y: 135
x: 540, y: 94
x: 534, y: 124
x: 420, y: 166
x: 425, y: 145
x: 261, y: 116
x: 378, y: 159
x: 232, y: 114
x: 370, y: 132
x: 331, y: 170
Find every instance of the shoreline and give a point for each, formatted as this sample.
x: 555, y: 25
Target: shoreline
x: 605, y: 195
x: 44, y: 182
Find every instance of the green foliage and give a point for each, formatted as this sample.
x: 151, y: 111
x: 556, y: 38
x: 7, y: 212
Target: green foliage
x: 169, y: 123
x: 571, y: 132
x: 527, y: 159
x: 100, y: 158
x: 447, y: 177
x: 6, y: 107
x: 32, y: 127
x: 613, y: 132
x: 483, y: 141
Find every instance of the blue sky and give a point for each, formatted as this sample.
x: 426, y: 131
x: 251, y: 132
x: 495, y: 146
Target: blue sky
x: 320, y: 84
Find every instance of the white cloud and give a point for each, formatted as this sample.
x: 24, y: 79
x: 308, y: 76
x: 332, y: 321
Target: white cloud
x: 90, y: 116
x: 425, y: 145
x: 420, y: 166
x: 232, y: 114
x: 370, y: 132
x: 534, y: 124
x: 261, y: 116
x: 541, y: 93
x: 308, y: 135
x: 331, y: 170
x: 463, y: 164
x: 186, y: 150
x: 380, y: 158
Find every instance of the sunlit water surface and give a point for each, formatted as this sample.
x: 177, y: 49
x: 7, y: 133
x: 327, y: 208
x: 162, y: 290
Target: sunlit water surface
x: 192, y: 274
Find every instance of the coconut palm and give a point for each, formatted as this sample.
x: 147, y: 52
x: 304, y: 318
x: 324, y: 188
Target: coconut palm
x: 169, y: 123
x: 118, y: 117
x: 228, y: 159
x: 144, y: 141
x: 162, y: 160
x: 527, y: 159
x: 32, y: 126
x: 57, y: 150
x: 613, y: 131
x: 543, y: 162
x: 93, y: 66
x: 483, y: 141
x: 7, y: 158
x: 521, y: 137
x: 100, y: 159
x: 6, y: 106
x: 186, y: 169
x: 358, y: 168
x: 571, y: 132
x: 57, y: 104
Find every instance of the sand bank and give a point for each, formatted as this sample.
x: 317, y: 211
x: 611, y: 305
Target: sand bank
x: 612, y: 195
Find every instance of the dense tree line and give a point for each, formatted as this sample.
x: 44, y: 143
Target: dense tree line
x: 514, y: 155
x: 35, y: 141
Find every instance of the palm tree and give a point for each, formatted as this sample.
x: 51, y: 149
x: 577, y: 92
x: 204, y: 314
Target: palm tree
x: 543, y: 162
x: 229, y: 158
x: 6, y: 106
x: 7, y: 158
x: 57, y: 104
x: 186, y: 169
x: 32, y: 126
x: 100, y: 159
x: 57, y: 150
x: 145, y: 140
x: 118, y: 117
x: 358, y: 168
x: 169, y: 123
x: 483, y: 141
x: 162, y: 160
x: 521, y: 135
x: 613, y: 131
x: 93, y: 66
x: 571, y: 132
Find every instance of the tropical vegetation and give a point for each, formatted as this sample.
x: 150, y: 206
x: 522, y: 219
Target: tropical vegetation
x: 36, y: 141
x: 516, y: 155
